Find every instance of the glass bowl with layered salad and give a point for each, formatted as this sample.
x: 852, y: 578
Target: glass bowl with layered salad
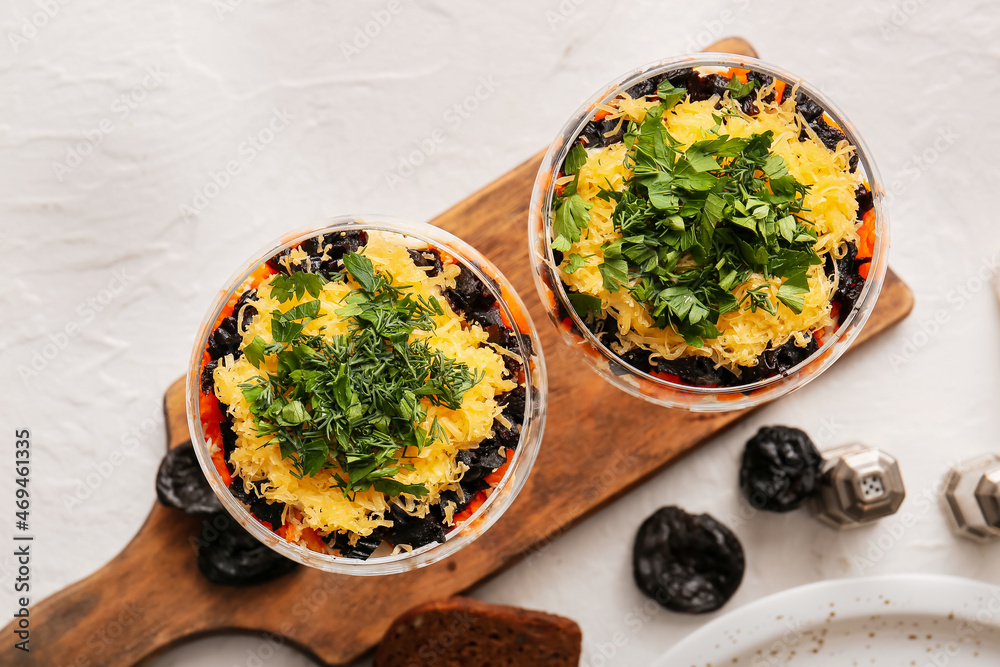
x: 368, y: 397
x: 709, y: 232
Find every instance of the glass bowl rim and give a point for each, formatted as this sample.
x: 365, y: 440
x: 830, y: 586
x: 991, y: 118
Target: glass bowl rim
x: 525, y: 454
x: 556, y: 153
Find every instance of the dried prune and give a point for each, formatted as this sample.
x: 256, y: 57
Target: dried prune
x: 749, y: 105
x: 208, y: 376
x: 866, y: 200
x: 828, y: 134
x: 590, y: 135
x: 763, y: 80
x: 266, y: 511
x: 774, y: 361
x: 331, y: 246
x: 688, y: 563
x: 245, y: 315
x: 699, y: 371
x: 612, y: 130
x: 180, y: 483
x: 637, y: 359
x: 338, y: 245
x: 850, y: 283
x: 225, y: 339
x: 229, y: 555
x: 703, y: 87
x: 642, y: 89
x: 488, y: 318
x: 416, y: 531
x: 469, y: 492
x: 228, y: 435
x: 360, y: 550
x: 679, y: 78
x: 781, y: 468
x: 275, y: 261
x: 428, y: 257
x: 470, y: 294
x: 482, y: 460
x: 603, y: 132
x: 805, y: 106
x: 513, y: 403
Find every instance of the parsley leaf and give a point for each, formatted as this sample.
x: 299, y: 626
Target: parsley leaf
x: 254, y: 352
x: 585, y: 305
x: 572, y: 215
x: 614, y: 269
x: 670, y: 95
x: 792, y: 292
x: 738, y: 90
x: 576, y: 261
x: 576, y: 158
x: 298, y: 284
x: 362, y: 270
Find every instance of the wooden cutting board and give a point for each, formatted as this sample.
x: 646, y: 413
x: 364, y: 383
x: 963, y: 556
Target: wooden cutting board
x: 152, y: 595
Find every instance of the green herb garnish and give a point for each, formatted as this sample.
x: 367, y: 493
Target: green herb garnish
x: 697, y: 222
x: 354, y: 402
x: 738, y: 90
x: 572, y: 215
x: 585, y: 304
x: 575, y: 159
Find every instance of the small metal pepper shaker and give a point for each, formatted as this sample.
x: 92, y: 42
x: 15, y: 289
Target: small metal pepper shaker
x: 858, y: 485
x: 972, y: 495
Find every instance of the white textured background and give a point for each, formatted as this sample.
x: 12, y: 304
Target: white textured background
x: 98, y: 157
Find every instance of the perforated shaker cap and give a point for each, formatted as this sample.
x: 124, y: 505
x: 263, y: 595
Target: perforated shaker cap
x: 860, y: 484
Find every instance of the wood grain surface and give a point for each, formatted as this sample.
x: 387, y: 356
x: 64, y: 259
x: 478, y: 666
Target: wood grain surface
x: 152, y: 595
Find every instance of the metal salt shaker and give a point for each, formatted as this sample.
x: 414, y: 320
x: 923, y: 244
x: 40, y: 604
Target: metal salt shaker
x: 858, y: 485
x: 971, y: 493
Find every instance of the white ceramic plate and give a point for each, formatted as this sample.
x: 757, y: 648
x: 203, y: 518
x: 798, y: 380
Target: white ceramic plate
x: 904, y: 621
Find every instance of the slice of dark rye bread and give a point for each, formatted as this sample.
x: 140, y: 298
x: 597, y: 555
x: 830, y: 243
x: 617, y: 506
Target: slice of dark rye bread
x: 462, y: 632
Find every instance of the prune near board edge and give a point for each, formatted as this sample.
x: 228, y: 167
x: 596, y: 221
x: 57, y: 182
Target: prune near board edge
x: 230, y: 556
x: 781, y: 469
x: 181, y: 484
x: 688, y: 563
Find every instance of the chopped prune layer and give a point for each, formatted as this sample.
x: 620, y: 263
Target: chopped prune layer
x: 850, y: 283
x: 245, y: 312
x: 428, y: 257
x: 416, y: 531
x: 266, y: 511
x: 701, y: 371
x: 362, y: 549
x: 333, y: 247
x: 225, y: 339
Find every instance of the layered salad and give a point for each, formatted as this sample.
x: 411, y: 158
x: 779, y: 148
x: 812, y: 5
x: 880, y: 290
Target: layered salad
x: 363, y: 392
x: 711, y: 227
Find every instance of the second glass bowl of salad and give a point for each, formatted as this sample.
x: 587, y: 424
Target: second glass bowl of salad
x: 709, y: 232
x: 367, y: 397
